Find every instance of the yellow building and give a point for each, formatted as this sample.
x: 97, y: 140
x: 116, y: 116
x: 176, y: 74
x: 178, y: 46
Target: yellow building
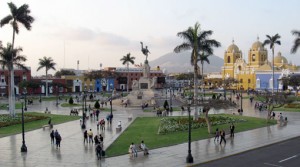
x: 245, y: 73
x: 79, y: 83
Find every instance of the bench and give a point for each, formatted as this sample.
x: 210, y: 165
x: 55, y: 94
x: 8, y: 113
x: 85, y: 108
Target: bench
x: 48, y: 125
x: 129, y: 119
x: 118, y: 129
x: 138, y: 150
x: 47, y: 112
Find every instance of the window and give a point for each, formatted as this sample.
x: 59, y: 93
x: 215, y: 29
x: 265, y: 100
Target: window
x: 253, y: 57
x: 240, y: 68
x: 249, y: 80
x: 228, y: 59
x: 241, y: 80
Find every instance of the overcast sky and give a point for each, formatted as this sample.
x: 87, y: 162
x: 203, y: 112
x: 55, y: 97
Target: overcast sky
x: 98, y: 31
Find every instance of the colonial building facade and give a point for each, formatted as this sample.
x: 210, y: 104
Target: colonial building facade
x: 256, y: 73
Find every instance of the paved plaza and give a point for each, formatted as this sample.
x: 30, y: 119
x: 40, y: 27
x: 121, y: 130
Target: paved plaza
x: 74, y: 153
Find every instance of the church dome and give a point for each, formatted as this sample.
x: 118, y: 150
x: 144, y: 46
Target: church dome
x: 257, y: 45
x: 233, y: 48
x: 279, y: 59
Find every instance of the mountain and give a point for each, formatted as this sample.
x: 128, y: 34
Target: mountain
x: 181, y: 62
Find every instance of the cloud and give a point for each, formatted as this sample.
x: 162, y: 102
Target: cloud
x: 89, y: 35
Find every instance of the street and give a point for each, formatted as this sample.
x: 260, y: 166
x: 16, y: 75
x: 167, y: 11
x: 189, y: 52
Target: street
x: 283, y: 154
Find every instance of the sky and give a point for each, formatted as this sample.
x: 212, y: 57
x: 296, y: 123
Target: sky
x: 102, y: 32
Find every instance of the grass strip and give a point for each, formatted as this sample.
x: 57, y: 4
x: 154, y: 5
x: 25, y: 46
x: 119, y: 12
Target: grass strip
x: 146, y: 129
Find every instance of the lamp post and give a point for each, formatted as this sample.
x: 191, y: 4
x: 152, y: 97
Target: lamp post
x: 171, y: 88
x: 24, y: 92
x: 189, y: 158
x: 57, y: 95
x: 241, y: 101
x: 83, y: 113
x: 40, y: 94
x: 23, y: 147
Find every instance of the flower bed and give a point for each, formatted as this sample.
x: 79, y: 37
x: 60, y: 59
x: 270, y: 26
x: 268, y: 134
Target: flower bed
x: 7, y: 120
x: 174, y: 124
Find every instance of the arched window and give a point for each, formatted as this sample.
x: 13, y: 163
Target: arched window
x: 228, y: 59
x: 240, y: 68
x: 253, y: 57
x: 249, y: 80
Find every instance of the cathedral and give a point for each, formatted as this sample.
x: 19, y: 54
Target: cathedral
x: 256, y: 73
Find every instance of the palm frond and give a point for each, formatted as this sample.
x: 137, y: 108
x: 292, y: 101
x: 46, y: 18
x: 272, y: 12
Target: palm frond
x: 5, y: 20
x: 296, y: 45
x: 183, y: 46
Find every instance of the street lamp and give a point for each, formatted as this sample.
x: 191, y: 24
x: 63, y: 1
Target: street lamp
x: 57, y: 95
x: 40, y: 94
x: 24, y: 92
x: 171, y: 88
x: 83, y: 113
x: 241, y: 101
x: 23, y: 147
x: 189, y: 158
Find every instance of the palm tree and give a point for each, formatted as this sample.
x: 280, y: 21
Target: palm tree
x: 47, y: 63
x: 296, y: 42
x: 272, y: 41
x: 126, y: 60
x: 18, y: 16
x: 8, y: 58
x: 196, y: 40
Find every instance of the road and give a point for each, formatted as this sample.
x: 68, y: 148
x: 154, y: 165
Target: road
x: 283, y: 154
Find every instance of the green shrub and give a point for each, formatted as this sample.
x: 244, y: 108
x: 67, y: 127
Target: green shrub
x: 71, y: 101
x: 97, y: 105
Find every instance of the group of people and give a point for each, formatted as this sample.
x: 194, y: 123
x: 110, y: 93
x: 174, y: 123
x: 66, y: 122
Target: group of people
x: 55, y: 135
x: 133, y: 149
x: 221, y: 134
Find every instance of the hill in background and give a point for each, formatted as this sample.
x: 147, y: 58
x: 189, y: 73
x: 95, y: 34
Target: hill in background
x: 180, y: 63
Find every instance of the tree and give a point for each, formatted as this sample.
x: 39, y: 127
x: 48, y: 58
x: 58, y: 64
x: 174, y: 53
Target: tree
x: 296, y: 41
x: 47, y: 63
x: 10, y: 57
x: 203, y: 58
x: 71, y: 101
x: 272, y: 40
x: 196, y: 40
x: 126, y: 60
x: 294, y: 81
x: 63, y: 72
x: 97, y: 104
x: 18, y: 16
x: 273, y: 101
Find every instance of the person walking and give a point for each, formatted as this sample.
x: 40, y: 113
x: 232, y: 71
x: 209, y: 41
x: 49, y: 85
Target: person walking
x: 231, y: 130
x: 58, y: 140
x: 52, y: 136
x: 85, y: 137
x: 90, y: 134
x: 217, y: 134
x: 222, y: 137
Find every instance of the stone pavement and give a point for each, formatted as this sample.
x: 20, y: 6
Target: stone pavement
x: 74, y: 153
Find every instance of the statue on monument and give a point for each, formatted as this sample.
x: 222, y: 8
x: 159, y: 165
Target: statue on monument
x: 145, y: 51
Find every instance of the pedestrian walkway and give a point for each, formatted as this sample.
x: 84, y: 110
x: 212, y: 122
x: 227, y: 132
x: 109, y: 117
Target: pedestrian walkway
x: 74, y: 153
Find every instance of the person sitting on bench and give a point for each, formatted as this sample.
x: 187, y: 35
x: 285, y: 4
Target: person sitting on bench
x: 144, y: 148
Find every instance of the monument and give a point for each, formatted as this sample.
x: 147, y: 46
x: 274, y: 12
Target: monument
x: 143, y: 89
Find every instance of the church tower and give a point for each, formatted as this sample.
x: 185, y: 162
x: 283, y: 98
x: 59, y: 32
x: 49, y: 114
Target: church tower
x: 232, y: 54
x: 257, y: 55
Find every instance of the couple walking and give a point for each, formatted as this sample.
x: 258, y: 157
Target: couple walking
x: 222, y: 134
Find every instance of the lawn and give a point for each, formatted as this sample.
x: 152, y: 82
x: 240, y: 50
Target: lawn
x: 17, y: 128
x: 152, y: 110
x: 70, y: 105
x: 287, y: 109
x: 146, y: 129
x: 4, y: 106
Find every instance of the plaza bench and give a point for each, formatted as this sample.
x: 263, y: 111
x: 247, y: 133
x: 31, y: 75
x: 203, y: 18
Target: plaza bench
x: 118, y: 129
x: 47, y: 112
x: 48, y: 125
x: 138, y: 150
